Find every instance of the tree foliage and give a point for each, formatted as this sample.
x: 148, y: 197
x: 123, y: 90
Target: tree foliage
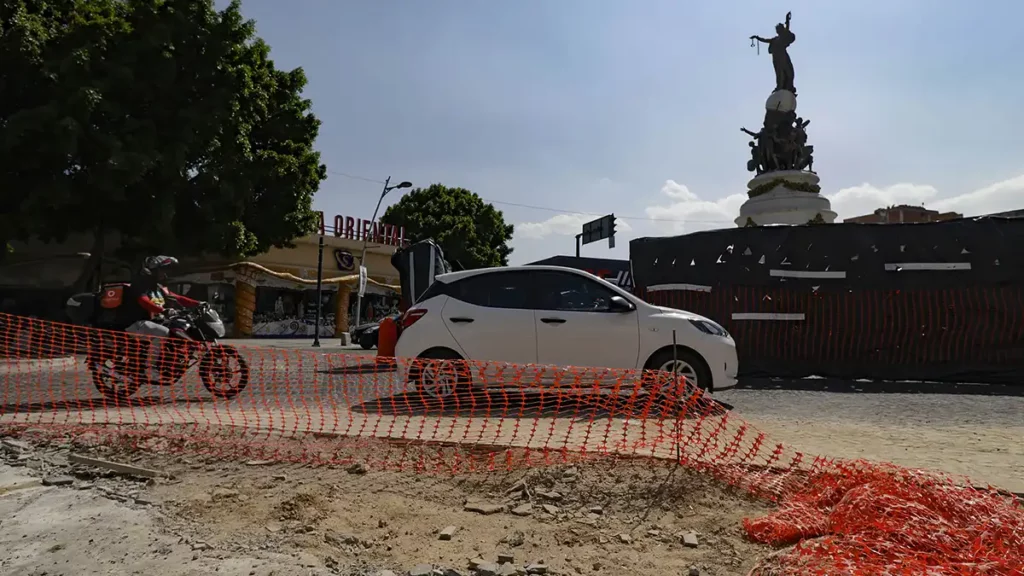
x: 163, y: 120
x: 472, y: 233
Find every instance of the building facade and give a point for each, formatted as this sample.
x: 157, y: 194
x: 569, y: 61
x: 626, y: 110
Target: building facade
x: 904, y: 214
x: 269, y: 295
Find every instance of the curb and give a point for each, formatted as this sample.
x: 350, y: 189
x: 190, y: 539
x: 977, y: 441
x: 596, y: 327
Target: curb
x: 9, y: 366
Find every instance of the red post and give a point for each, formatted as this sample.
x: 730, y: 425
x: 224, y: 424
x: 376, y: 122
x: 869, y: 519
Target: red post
x: 387, y: 337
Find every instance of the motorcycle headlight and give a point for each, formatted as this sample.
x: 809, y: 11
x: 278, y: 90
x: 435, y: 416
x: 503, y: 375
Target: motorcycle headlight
x: 709, y: 327
x: 218, y: 328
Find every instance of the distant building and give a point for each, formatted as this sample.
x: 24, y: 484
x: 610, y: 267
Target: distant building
x: 904, y: 214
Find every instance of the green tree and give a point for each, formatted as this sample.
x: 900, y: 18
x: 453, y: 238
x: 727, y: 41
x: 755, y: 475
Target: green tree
x: 472, y: 233
x: 165, y: 121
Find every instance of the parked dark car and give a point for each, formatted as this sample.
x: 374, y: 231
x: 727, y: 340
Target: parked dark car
x: 366, y: 334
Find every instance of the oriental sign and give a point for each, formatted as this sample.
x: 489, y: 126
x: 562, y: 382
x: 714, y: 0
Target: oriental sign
x: 359, y: 229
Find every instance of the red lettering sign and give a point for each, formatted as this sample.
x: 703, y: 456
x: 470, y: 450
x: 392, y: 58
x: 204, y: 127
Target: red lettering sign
x: 358, y: 229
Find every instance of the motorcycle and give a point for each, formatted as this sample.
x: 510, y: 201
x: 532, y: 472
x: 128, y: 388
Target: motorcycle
x: 118, y: 361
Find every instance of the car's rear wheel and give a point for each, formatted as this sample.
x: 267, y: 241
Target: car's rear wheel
x: 441, y: 373
x: 367, y: 341
x: 684, y: 362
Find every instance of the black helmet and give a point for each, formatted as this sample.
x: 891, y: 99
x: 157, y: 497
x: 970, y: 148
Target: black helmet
x: 157, y: 266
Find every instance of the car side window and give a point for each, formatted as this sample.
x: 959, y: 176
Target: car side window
x: 566, y: 292
x: 495, y: 290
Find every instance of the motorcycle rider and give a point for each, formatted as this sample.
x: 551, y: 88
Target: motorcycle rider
x: 145, y: 308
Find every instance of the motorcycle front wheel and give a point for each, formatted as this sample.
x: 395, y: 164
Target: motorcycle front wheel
x: 111, y: 381
x: 218, y: 374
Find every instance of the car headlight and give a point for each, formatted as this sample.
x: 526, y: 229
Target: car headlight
x: 709, y: 327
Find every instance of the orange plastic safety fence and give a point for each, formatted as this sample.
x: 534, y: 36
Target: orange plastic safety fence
x: 445, y: 416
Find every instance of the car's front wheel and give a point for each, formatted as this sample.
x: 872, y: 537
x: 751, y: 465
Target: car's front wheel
x: 441, y: 373
x: 684, y: 362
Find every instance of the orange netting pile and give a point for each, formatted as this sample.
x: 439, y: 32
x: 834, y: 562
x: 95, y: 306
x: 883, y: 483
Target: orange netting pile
x: 318, y: 407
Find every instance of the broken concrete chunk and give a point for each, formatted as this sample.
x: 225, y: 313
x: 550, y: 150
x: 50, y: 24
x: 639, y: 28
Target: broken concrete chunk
x: 694, y: 571
x: 115, y: 466
x: 422, y: 570
x: 505, y: 558
x: 448, y: 533
x: 536, y: 568
x: 58, y: 481
x: 15, y: 446
x: 332, y: 537
x: 484, y: 508
x: 523, y: 510
x: 517, y: 487
x: 550, y: 509
x: 488, y: 569
x: 224, y: 494
x: 515, y: 539
x: 507, y: 570
x: 357, y: 468
x: 20, y: 485
x: 690, y: 540
x: 475, y: 563
x: 552, y: 496
x: 596, y: 510
x: 625, y: 538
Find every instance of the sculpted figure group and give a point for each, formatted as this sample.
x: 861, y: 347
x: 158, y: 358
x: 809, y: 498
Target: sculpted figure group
x: 780, y: 145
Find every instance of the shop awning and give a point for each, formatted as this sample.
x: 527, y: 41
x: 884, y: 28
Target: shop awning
x: 350, y: 279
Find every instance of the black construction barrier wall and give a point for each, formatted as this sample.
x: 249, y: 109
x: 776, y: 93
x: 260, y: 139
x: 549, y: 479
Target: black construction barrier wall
x: 939, y: 301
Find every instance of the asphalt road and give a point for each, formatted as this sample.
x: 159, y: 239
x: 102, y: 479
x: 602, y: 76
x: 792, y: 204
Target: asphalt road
x: 278, y: 377
x: 292, y: 387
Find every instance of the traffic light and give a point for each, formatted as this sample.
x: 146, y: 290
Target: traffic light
x: 611, y: 230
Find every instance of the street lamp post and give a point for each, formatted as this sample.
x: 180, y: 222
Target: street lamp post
x: 362, y: 256
x: 319, y: 290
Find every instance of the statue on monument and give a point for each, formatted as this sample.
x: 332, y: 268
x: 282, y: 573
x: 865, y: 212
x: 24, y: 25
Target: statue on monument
x: 786, y: 189
x: 781, y: 144
x: 778, y: 47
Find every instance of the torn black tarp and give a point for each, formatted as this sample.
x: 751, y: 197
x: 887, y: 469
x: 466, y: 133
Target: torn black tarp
x: 938, y: 301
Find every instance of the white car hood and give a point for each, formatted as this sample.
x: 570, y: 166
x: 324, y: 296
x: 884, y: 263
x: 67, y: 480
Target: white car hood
x: 680, y: 313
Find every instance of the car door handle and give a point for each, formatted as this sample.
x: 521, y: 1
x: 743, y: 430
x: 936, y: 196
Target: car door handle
x: 553, y: 320
x: 461, y: 320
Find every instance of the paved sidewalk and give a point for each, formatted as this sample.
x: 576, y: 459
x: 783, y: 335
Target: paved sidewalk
x: 326, y: 344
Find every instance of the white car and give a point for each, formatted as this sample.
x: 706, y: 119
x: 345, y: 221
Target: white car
x: 552, y: 315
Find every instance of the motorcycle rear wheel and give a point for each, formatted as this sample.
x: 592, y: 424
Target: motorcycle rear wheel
x: 104, y: 380
x: 213, y: 371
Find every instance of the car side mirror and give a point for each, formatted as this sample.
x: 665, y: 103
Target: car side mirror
x: 620, y: 304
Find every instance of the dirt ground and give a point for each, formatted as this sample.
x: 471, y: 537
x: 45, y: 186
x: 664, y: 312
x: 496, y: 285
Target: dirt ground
x: 258, y: 519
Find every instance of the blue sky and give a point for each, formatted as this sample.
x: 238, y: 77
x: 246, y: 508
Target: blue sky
x: 634, y: 107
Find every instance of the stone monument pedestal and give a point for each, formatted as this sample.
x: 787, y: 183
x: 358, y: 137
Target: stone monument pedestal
x: 785, y: 197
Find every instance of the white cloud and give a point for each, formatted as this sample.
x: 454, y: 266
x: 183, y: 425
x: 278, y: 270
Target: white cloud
x: 864, y: 199
x: 686, y: 212
x: 562, y: 225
